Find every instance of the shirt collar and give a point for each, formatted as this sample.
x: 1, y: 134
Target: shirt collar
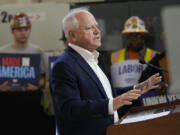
x: 87, y: 55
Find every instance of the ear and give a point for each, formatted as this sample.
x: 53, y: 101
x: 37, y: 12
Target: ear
x: 71, y: 34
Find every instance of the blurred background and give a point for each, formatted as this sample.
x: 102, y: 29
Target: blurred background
x: 46, y: 16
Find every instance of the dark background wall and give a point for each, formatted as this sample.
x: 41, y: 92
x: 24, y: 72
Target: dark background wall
x: 112, y: 14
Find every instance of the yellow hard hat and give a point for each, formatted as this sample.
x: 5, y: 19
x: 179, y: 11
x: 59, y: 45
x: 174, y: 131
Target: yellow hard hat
x: 134, y: 25
x: 20, y: 20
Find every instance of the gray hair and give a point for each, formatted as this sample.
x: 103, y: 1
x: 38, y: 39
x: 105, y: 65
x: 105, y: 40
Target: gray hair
x: 69, y: 21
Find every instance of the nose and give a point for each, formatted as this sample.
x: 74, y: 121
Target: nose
x: 96, y: 30
x: 23, y: 31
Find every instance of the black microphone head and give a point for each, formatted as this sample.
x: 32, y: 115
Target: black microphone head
x: 142, y: 61
x: 153, y: 66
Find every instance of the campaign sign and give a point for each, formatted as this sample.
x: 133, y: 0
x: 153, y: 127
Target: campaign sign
x: 126, y: 73
x: 20, y: 69
x: 51, y: 61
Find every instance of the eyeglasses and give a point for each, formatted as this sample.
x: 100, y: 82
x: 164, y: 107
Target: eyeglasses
x: 88, y: 27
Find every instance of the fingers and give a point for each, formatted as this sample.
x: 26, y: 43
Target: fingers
x: 5, y: 83
x: 151, y: 83
x: 126, y: 98
x: 4, y: 86
x: 155, y: 86
x: 31, y: 87
x: 154, y: 80
x: 155, y: 75
x: 130, y: 96
x: 137, y: 91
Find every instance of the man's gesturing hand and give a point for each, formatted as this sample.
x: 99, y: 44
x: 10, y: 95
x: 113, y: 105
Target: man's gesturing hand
x: 151, y: 83
x: 126, y: 98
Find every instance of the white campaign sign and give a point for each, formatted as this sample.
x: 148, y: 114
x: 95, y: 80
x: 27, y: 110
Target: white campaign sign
x: 127, y: 73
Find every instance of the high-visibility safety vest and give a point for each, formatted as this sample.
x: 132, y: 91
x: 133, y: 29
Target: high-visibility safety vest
x: 120, y: 55
x: 126, y: 72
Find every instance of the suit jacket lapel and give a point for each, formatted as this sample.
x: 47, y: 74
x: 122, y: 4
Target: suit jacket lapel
x: 85, y: 66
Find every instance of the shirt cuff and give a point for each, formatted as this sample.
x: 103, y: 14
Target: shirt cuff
x: 110, y: 107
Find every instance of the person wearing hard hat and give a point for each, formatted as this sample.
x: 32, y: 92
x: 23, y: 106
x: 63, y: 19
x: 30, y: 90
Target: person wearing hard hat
x: 125, y: 67
x: 20, y: 26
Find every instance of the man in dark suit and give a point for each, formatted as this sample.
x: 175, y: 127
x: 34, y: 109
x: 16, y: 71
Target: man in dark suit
x: 83, y: 98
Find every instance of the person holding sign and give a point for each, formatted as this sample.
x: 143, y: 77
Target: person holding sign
x: 21, y: 61
x: 84, y: 101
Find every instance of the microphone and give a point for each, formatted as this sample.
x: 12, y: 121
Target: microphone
x: 153, y: 66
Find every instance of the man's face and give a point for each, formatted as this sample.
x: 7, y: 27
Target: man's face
x: 21, y: 35
x: 87, y: 35
x: 135, y: 41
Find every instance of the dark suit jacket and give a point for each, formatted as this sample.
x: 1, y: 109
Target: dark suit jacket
x: 81, y: 104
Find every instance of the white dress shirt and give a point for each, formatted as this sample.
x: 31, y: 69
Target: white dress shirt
x: 92, y: 60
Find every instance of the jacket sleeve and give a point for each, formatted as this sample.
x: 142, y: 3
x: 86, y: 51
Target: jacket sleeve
x: 68, y: 102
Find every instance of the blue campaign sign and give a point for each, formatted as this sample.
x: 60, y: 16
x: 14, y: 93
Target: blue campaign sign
x: 20, y: 69
x: 51, y: 61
